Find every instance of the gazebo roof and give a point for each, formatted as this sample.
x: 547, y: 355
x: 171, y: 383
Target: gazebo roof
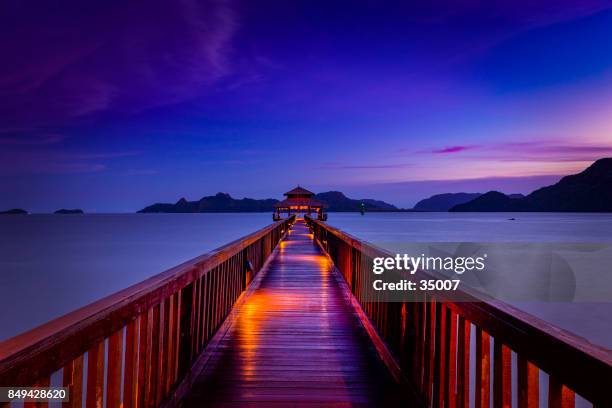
x: 299, y: 191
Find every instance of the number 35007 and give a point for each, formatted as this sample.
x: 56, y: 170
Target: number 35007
x: 441, y: 284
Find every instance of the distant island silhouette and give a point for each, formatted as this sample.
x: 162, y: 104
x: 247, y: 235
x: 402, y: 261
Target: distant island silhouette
x: 66, y: 212
x: 446, y: 201
x: 588, y: 191
x: 14, y: 211
x: 223, y: 202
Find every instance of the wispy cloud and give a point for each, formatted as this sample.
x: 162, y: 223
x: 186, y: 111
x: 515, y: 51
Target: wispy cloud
x: 50, y: 166
x: 75, y: 69
x: 546, y: 151
x: 141, y: 172
x: 37, y: 140
x: 100, y: 155
x: 364, y: 166
x: 48, y: 161
x: 542, y: 150
x: 453, y: 149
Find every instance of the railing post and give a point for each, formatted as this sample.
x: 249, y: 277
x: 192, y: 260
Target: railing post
x: 113, y: 374
x: 528, y: 384
x: 95, y: 375
x: 185, y: 341
x: 463, y: 362
x: 502, y: 381
x: 483, y: 369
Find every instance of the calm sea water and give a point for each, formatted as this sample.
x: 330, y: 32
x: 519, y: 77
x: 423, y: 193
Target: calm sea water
x: 591, y: 320
x: 52, y: 264
x: 476, y: 227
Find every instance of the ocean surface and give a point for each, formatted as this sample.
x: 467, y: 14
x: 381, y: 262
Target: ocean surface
x: 53, y: 264
x: 476, y: 227
x: 589, y: 319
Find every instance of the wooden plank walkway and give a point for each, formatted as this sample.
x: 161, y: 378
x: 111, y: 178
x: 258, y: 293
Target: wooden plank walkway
x: 295, y: 341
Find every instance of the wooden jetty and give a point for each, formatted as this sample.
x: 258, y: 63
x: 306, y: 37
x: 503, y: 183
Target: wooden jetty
x: 295, y: 341
x: 280, y: 318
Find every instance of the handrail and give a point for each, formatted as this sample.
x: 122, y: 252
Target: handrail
x: 152, y: 331
x: 430, y: 341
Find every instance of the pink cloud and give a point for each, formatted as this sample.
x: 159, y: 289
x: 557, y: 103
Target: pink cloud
x: 342, y: 166
x: 547, y: 151
x: 542, y: 150
x: 453, y: 149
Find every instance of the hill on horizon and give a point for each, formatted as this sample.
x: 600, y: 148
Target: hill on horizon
x: 446, y: 201
x: 587, y: 191
x: 14, y: 211
x: 220, y: 202
x: 336, y: 201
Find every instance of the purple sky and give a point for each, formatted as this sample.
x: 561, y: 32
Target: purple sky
x: 110, y: 106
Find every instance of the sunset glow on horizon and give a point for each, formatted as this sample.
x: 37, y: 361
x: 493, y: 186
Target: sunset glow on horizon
x: 113, y: 106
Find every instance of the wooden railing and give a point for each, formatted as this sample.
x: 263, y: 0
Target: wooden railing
x: 430, y: 340
x: 145, y: 337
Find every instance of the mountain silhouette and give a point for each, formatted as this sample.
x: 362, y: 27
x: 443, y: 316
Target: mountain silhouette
x: 588, y: 191
x: 337, y: 201
x: 223, y: 202
x: 444, y: 202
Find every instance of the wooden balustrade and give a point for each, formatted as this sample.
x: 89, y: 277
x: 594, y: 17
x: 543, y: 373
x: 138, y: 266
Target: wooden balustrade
x: 143, y: 339
x: 431, y: 340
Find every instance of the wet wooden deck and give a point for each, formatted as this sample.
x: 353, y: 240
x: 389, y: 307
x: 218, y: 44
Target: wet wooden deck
x: 294, y: 341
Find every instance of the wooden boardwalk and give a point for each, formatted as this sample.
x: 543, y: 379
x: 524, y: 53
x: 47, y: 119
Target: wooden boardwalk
x: 295, y: 341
